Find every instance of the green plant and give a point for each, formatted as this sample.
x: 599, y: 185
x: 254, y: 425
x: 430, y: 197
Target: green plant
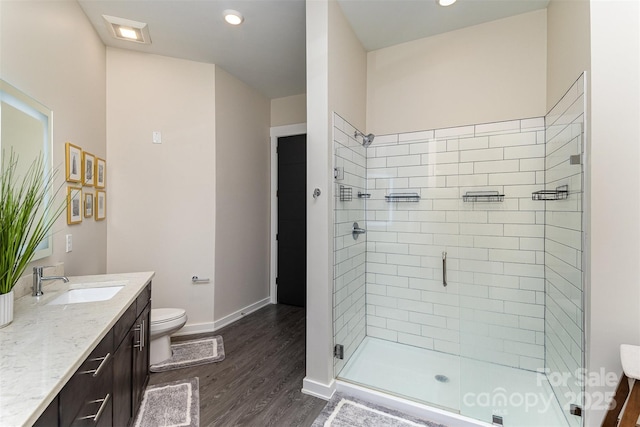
x: 27, y: 213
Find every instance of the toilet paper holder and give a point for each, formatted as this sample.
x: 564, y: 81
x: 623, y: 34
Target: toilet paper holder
x: 196, y: 279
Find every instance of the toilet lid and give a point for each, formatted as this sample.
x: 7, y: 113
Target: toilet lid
x: 159, y: 315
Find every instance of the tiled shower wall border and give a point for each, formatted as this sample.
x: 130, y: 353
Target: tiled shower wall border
x: 349, y: 254
x: 493, y: 306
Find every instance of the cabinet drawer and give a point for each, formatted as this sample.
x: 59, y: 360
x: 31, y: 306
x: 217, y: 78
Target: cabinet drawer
x: 50, y: 415
x: 143, y: 299
x: 82, y: 396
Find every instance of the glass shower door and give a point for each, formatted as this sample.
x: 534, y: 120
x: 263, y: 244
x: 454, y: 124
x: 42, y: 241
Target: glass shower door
x: 437, y: 242
x: 412, y: 339
x: 349, y: 309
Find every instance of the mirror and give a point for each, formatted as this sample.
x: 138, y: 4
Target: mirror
x: 26, y: 127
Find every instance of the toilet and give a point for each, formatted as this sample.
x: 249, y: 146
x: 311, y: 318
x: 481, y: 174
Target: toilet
x: 164, y: 322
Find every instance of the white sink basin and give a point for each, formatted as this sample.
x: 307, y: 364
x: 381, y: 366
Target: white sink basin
x: 75, y: 296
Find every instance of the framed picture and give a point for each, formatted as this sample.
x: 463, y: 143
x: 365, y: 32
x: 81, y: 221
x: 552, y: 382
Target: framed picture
x: 88, y: 169
x: 101, y: 205
x: 101, y: 172
x: 73, y: 162
x: 74, y: 205
x: 88, y: 205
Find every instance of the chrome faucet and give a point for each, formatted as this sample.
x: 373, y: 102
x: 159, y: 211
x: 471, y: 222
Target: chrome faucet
x: 38, y: 278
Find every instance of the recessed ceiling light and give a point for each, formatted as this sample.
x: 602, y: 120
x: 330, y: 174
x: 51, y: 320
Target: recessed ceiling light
x: 128, y: 33
x: 446, y: 2
x: 233, y: 17
x: 126, y: 29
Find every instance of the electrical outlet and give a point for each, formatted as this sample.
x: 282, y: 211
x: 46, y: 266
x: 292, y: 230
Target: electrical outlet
x: 69, y: 240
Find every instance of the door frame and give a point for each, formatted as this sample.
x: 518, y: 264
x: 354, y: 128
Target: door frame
x: 277, y: 132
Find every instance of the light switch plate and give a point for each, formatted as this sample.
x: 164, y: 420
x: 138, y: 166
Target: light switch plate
x: 157, y: 137
x: 69, y: 242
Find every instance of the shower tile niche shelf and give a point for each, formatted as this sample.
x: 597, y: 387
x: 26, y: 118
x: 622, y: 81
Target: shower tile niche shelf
x: 482, y: 196
x: 402, y: 197
x: 560, y: 193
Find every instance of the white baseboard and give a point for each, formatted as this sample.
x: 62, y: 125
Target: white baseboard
x: 408, y: 407
x: 316, y: 389
x: 199, y: 328
x: 229, y: 319
x: 195, y: 328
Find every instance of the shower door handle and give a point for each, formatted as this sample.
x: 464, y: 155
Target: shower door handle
x: 444, y: 269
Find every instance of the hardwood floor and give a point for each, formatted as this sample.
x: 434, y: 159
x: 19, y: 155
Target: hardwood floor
x: 258, y: 384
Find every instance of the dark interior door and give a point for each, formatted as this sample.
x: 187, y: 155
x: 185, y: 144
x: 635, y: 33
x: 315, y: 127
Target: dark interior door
x: 292, y: 220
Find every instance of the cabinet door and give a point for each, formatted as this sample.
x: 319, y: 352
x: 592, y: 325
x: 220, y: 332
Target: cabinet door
x: 141, y: 356
x: 123, y: 381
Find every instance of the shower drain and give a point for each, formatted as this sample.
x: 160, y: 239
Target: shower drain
x: 442, y: 378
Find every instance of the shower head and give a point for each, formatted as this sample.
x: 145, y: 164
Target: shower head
x: 366, y: 139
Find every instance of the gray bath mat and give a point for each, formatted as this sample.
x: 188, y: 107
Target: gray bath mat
x: 346, y: 411
x: 192, y: 353
x: 170, y: 405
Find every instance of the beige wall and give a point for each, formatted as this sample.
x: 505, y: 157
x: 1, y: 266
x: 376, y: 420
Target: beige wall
x: 336, y: 76
x: 242, y: 192
x: 485, y: 73
x: 161, y: 198
x: 290, y: 110
x: 568, y: 48
x: 347, y: 70
x: 50, y: 51
x: 615, y: 186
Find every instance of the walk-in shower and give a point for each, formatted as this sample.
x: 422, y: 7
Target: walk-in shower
x: 466, y: 292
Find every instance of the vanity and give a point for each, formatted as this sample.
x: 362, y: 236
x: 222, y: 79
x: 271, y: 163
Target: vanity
x: 72, y: 357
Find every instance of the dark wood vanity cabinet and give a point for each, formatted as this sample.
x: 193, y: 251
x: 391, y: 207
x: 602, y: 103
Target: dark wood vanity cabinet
x: 50, y: 415
x: 131, y: 361
x: 108, y: 387
x: 87, y: 397
x: 141, y: 358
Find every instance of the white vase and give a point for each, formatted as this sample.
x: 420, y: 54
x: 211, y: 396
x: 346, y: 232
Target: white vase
x: 6, y: 309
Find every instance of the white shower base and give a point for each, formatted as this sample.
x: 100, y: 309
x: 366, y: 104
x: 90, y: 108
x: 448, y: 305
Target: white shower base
x: 474, y: 388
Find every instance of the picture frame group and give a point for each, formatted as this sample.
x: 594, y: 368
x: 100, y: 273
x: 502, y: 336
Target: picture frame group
x: 86, y: 172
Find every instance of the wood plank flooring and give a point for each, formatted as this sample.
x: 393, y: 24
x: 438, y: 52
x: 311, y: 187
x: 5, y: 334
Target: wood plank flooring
x: 258, y: 384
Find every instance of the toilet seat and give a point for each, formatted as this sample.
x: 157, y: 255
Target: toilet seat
x: 163, y: 315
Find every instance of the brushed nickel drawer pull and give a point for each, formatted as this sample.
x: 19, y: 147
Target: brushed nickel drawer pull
x: 98, y: 414
x: 96, y: 372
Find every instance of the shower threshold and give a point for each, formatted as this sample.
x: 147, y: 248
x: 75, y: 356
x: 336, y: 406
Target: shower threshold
x: 472, y: 388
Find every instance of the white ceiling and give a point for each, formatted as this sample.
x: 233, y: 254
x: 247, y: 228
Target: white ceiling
x: 267, y: 51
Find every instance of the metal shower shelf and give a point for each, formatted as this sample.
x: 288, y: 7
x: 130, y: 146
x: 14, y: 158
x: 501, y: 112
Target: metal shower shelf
x: 402, y: 197
x: 560, y: 193
x: 482, y: 196
x: 346, y: 193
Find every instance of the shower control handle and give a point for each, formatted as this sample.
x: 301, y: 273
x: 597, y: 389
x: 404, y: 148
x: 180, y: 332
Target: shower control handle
x: 444, y: 269
x: 356, y: 231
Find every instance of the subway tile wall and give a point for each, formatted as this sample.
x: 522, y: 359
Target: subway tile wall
x: 349, y: 254
x: 563, y: 248
x: 493, y: 305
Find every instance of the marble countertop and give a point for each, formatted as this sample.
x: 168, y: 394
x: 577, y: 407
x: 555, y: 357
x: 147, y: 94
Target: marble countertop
x: 46, y: 344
